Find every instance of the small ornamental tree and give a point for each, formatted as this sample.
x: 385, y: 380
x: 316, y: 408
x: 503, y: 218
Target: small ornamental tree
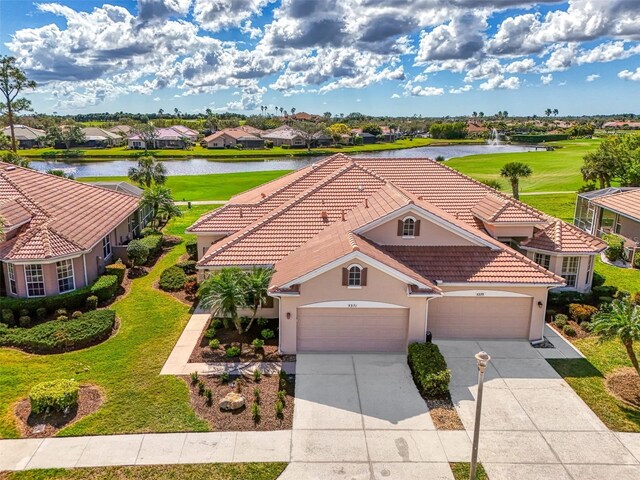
x: 137, y: 252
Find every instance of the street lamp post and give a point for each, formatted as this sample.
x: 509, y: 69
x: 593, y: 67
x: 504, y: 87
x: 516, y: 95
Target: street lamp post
x: 483, y: 360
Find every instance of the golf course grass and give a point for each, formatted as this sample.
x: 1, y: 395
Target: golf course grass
x: 559, y: 205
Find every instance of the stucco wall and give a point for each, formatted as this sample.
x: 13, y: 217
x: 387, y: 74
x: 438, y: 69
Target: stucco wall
x: 381, y: 287
x: 430, y: 234
x: 205, y: 241
x: 585, y: 275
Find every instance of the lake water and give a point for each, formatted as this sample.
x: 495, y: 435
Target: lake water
x: 199, y: 166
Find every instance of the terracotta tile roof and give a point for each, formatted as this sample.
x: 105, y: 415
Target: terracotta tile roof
x: 473, y: 264
x: 13, y: 212
x: 235, y: 133
x: 562, y: 237
x: 627, y: 203
x: 498, y: 209
x: 66, y: 216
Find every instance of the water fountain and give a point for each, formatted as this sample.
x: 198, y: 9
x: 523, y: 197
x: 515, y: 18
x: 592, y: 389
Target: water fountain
x: 494, y: 140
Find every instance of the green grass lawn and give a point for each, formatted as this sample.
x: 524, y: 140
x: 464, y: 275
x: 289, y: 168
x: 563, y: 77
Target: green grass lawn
x: 555, y: 171
x: 215, y: 471
x: 559, y: 205
x: 462, y: 470
x: 624, y: 278
x: 126, y: 367
x: 200, y: 152
x: 219, y: 186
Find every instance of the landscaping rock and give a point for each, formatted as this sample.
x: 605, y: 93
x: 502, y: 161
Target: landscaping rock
x: 232, y: 401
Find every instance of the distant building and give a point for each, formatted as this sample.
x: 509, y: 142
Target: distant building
x: 285, y: 135
x: 176, y: 136
x: 26, y: 137
x: 100, y: 138
x: 621, y: 125
x: 230, y: 137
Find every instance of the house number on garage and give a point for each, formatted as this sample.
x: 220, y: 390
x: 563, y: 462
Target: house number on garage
x: 480, y: 294
x: 352, y: 305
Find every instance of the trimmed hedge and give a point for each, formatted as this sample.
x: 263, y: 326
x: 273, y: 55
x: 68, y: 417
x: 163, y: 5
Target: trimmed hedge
x: 55, y: 336
x: 118, y: 269
x: 153, y: 242
x: 172, y: 279
x: 105, y: 287
x: 192, y: 248
x: 429, y: 368
x: 56, y: 395
x: 539, y: 138
x: 615, y: 251
x: 189, y: 267
x: 582, y: 313
x: 72, y: 301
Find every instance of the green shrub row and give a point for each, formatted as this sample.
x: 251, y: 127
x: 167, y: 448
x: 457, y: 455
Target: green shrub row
x: 172, y: 279
x: 615, y: 251
x: 153, y: 242
x: 118, y: 269
x: 72, y: 300
x: 189, y: 267
x: 429, y: 368
x: 55, y: 395
x: 61, y: 336
x: 539, y: 138
x: 192, y: 248
x: 105, y: 287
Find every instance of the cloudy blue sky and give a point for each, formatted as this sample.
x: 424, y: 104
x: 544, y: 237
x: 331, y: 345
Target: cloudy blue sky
x: 395, y: 57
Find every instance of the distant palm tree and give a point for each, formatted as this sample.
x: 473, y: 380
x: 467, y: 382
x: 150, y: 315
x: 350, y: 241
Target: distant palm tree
x: 148, y: 172
x: 293, y: 111
x: 548, y: 112
x: 621, y: 322
x: 474, y: 114
x: 160, y: 113
x: 223, y: 294
x: 176, y: 112
x: 481, y: 114
x: 158, y: 198
x: 281, y: 110
x: 555, y: 112
x: 514, y: 171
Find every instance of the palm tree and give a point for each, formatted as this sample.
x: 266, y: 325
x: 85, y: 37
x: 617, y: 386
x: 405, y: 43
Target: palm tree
x: 514, y: 171
x: 555, y: 112
x: 148, y: 172
x: 223, y: 294
x: 481, y: 114
x: 621, y: 322
x: 281, y: 110
x: 160, y: 113
x: 548, y: 112
x: 256, y: 290
x: 293, y: 111
x: 158, y: 198
x: 176, y: 112
x: 474, y: 114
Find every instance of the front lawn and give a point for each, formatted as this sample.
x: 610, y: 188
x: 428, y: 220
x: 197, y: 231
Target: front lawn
x: 627, y: 279
x: 218, y: 186
x: 126, y: 367
x: 553, y: 171
x: 215, y: 471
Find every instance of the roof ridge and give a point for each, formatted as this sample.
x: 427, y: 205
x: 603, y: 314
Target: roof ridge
x: 24, y: 195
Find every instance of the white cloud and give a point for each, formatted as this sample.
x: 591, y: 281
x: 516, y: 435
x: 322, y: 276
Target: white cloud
x: 460, y: 39
x: 546, y: 79
x: 630, y: 75
x: 156, y: 99
x: 593, y: 77
x: 499, y: 82
x: 521, y: 66
x: 422, y: 91
x: 395, y: 95
x: 464, y: 88
x: 215, y: 15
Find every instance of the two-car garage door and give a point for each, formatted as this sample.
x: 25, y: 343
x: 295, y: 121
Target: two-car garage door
x: 352, y: 329
x: 479, y: 317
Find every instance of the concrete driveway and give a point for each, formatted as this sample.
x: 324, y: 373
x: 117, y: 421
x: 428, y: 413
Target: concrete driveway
x: 533, y: 424
x: 361, y: 417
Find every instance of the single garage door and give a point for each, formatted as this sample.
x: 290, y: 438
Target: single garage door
x: 352, y: 329
x: 473, y: 317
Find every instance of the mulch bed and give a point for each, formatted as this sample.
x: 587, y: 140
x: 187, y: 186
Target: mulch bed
x: 47, y: 425
x: 443, y: 413
x: 580, y: 332
x: 624, y: 383
x: 242, y: 419
x: 230, y: 337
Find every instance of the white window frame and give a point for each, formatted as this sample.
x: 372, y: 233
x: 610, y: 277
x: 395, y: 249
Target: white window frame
x: 570, y: 275
x: 68, y: 266
x: 542, y: 259
x: 106, y: 247
x: 11, y: 275
x: 27, y: 268
x: 358, y: 278
x: 408, y: 229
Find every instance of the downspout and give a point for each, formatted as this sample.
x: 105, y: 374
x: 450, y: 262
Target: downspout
x: 84, y: 264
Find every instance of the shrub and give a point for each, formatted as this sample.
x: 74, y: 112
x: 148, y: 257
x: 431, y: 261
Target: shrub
x: 569, y: 331
x: 282, y: 395
x: 55, y: 395
x: 208, y: 395
x: 194, y: 377
x: 172, y: 279
x: 279, y: 409
x: 605, y: 300
x: 635, y: 298
x: 24, y: 321
x: 210, y: 333
x: 76, y: 314
x: 137, y: 252
x: 256, y: 394
x: 24, y: 312
x: 62, y: 318
x: 41, y: 313
x: 216, y: 323
x: 105, y: 287
x: 118, y: 269
x: 262, y: 322
x: 581, y: 313
x: 561, y: 320
x: 636, y: 260
x: 153, y: 243
x: 192, y: 248
x: 61, y: 311
x: 8, y: 318
x: 71, y: 300
x: 92, y: 302
x: 561, y: 300
x: 257, y: 343
x: 255, y: 412
x: 429, y: 368
x: 191, y: 286
x: 188, y: 267
x: 214, y: 344
x: 604, y: 291
x: 54, y: 337
x: 146, y: 231
x: 224, y: 377
x: 616, y: 247
x: 233, y: 352
x: 257, y: 375
x: 201, y: 387
x: 267, y: 333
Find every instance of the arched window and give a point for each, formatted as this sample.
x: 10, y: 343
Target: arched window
x: 355, y: 276
x: 409, y: 227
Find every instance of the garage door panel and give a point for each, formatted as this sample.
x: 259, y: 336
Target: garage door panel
x: 352, y: 330
x: 472, y: 317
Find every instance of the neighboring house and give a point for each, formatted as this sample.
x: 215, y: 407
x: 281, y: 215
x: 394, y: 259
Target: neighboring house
x: 176, y: 136
x: 389, y: 135
x: 621, y: 126
x: 306, y: 117
x: 285, y: 135
x: 611, y: 210
x: 59, y: 234
x: 100, y: 138
x: 26, y: 137
x: 321, y: 139
x: 367, y: 138
x: 371, y: 253
x: 122, y: 130
x: 474, y: 128
x: 230, y: 137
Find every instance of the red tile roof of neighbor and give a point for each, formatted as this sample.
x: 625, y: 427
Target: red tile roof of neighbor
x: 627, y: 203
x: 65, y: 217
x: 559, y: 236
x: 281, y: 218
